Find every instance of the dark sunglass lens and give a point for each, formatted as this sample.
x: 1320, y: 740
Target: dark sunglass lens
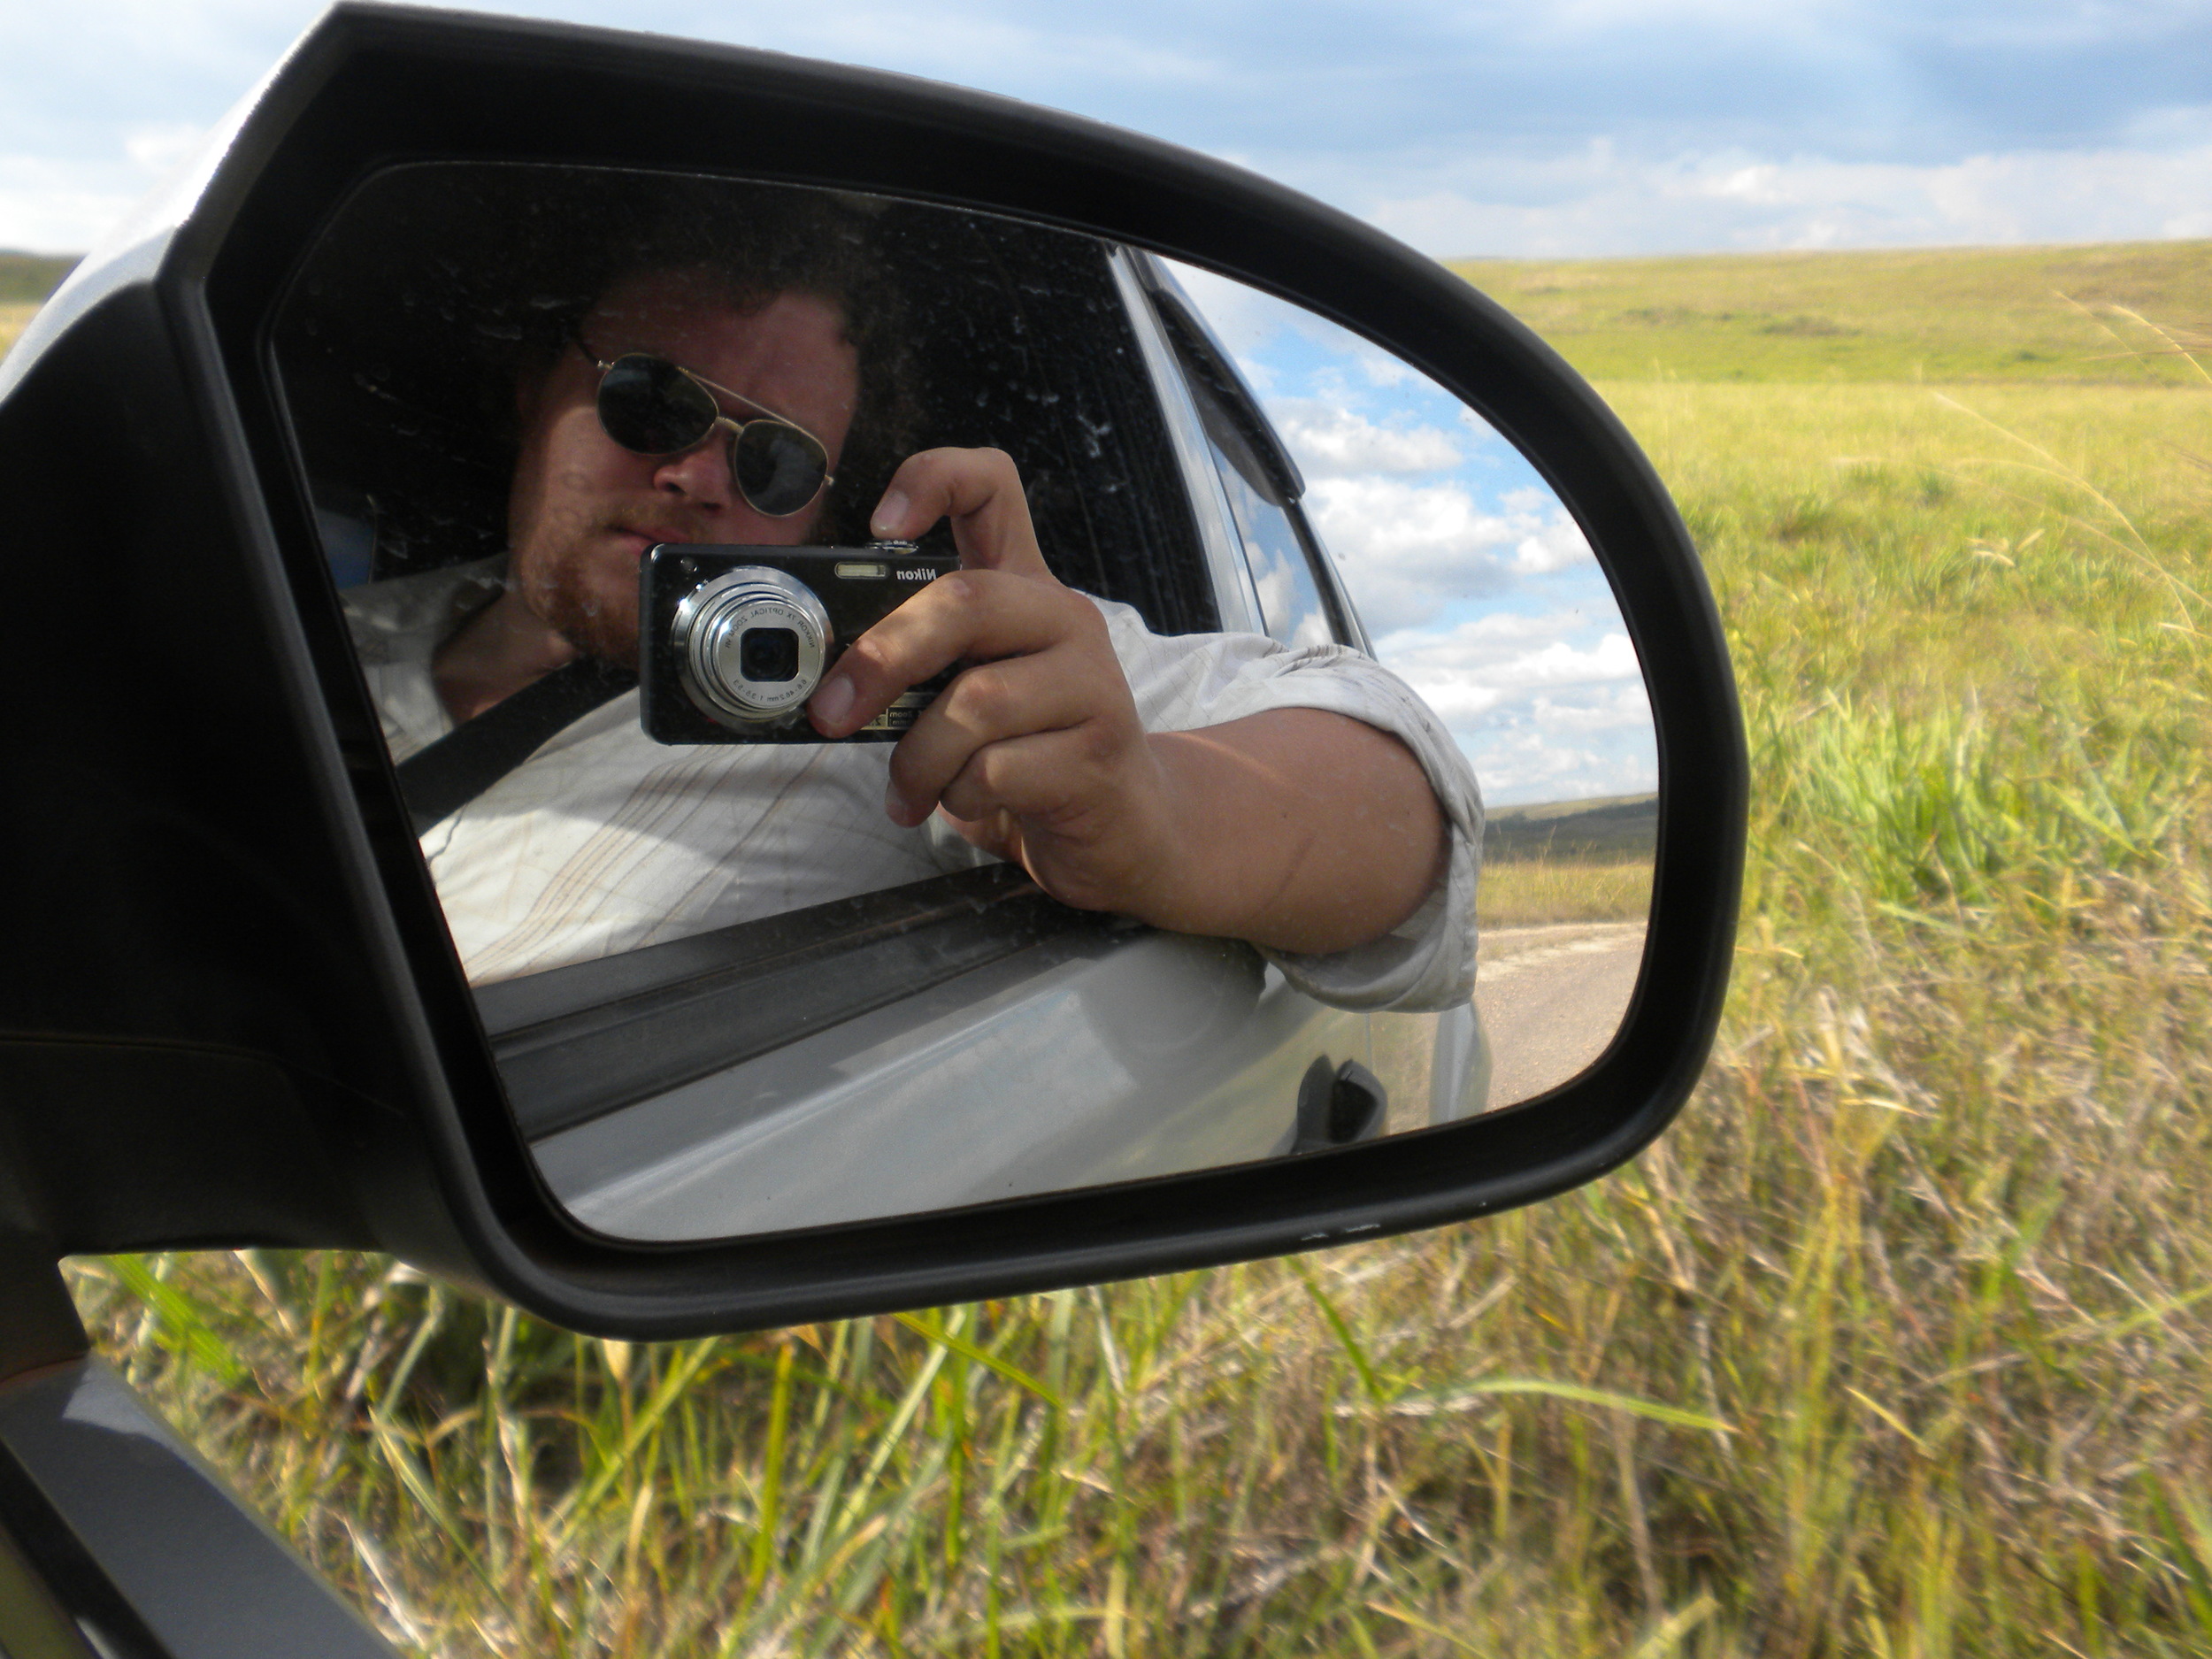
x: 649, y: 405
x: 777, y: 468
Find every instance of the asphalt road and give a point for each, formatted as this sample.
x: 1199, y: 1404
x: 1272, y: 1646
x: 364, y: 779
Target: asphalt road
x: 1551, y: 999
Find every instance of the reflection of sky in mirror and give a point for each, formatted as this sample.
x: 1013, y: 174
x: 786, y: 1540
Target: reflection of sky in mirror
x: 1473, y: 582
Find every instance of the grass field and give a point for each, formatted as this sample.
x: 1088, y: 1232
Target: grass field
x: 13, y: 315
x: 1897, y: 1345
x: 2038, y: 315
x: 27, y: 278
x: 1576, y: 861
x: 1528, y: 891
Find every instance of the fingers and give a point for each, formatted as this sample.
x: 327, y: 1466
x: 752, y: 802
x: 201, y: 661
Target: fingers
x: 1066, y: 806
x: 989, y: 705
x: 1039, y: 777
x: 1039, y: 736
x: 998, y: 834
x: 957, y: 615
x: 976, y: 614
x: 981, y: 491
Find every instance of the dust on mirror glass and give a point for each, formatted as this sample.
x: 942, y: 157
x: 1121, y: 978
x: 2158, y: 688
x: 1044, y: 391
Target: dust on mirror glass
x: 1144, y: 832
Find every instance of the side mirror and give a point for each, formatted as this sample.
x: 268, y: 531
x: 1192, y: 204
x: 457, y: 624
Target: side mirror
x: 239, y: 1005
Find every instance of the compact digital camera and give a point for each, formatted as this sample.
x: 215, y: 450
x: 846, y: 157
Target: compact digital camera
x: 732, y: 641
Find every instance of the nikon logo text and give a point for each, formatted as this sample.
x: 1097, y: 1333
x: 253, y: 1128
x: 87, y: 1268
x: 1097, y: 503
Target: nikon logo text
x: 916, y: 576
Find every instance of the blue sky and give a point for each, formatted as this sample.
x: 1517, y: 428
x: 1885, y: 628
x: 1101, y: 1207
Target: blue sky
x: 1590, y: 127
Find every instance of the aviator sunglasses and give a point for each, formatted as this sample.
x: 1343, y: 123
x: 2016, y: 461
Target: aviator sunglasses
x: 649, y: 406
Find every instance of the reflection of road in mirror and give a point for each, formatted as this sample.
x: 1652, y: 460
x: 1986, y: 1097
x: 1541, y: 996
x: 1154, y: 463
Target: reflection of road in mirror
x: 1551, y: 998
x: 1565, y: 890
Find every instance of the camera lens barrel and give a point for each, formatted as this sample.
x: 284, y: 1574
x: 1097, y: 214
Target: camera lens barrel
x: 748, y: 681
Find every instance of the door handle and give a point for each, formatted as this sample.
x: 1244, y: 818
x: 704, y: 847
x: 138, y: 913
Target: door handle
x: 1338, y: 1105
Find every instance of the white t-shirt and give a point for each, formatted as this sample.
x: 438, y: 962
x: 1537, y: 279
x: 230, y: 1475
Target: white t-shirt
x: 604, y: 841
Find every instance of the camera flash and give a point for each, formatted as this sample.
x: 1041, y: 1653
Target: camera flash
x: 861, y: 571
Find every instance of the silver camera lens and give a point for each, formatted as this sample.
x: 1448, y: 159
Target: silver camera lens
x: 749, y: 645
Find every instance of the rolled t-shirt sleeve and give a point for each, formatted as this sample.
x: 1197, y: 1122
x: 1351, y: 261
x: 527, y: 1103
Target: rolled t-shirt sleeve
x: 1182, y: 682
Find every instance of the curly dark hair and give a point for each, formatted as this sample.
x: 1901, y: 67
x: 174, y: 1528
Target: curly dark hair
x: 761, y: 240
x: 436, y: 286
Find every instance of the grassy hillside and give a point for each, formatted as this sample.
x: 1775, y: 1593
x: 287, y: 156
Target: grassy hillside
x: 27, y: 278
x: 1597, y: 830
x: 1952, y: 314
x: 1568, y: 860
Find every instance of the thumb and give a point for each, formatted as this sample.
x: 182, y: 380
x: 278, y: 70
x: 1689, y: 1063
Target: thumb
x: 981, y: 491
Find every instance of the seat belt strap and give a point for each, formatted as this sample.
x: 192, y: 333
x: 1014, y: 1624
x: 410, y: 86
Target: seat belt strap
x: 440, y: 780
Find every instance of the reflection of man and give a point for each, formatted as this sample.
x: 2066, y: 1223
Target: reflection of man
x: 1211, y: 784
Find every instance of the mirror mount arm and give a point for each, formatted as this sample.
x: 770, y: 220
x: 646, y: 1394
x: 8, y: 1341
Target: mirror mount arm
x: 39, y: 1325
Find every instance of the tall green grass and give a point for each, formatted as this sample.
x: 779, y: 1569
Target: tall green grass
x: 1896, y: 1345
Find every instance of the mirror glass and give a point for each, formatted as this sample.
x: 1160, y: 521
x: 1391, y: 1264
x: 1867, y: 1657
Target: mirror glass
x: 607, y: 468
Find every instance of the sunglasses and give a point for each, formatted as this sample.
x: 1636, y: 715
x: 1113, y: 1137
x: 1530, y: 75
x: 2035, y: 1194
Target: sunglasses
x: 649, y: 406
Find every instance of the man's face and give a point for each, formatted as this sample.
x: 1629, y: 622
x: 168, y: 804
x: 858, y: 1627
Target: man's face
x: 584, y: 508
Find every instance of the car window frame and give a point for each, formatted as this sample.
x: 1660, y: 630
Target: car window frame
x: 1206, y: 371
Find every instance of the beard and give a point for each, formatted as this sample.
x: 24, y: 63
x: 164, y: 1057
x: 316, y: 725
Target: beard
x: 591, y: 603
x: 595, y: 623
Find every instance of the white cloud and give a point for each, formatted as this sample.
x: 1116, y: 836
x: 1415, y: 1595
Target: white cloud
x: 1496, y: 633
x: 1470, y: 125
x: 1563, y: 745
x: 1543, y: 709
x: 1600, y: 201
x: 1531, y: 766
x: 1380, y: 368
x: 941, y: 42
x: 1558, y: 543
x: 1624, y: 708
x: 49, y: 206
x: 1407, y: 549
x: 1455, y: 675
x: 1333, y: 441
x: 155, y: 149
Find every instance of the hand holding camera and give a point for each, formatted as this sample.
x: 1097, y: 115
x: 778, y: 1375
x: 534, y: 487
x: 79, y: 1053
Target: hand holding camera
x: 733, y: 641
x: 1035, y: 749
x: 1295, y: 828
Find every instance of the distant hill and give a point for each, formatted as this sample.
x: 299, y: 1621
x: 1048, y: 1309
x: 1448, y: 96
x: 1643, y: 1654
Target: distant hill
x: 1947, y: 314
x: 1614, y: 828
x: 27, y: 278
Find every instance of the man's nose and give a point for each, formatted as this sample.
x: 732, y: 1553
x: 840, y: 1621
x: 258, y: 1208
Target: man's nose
x: 701, y: 474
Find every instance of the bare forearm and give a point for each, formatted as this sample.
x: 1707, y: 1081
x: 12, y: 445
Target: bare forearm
x: 1299, y: 829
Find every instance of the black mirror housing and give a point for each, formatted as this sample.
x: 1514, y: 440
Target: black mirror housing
x: 231, y: 1014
